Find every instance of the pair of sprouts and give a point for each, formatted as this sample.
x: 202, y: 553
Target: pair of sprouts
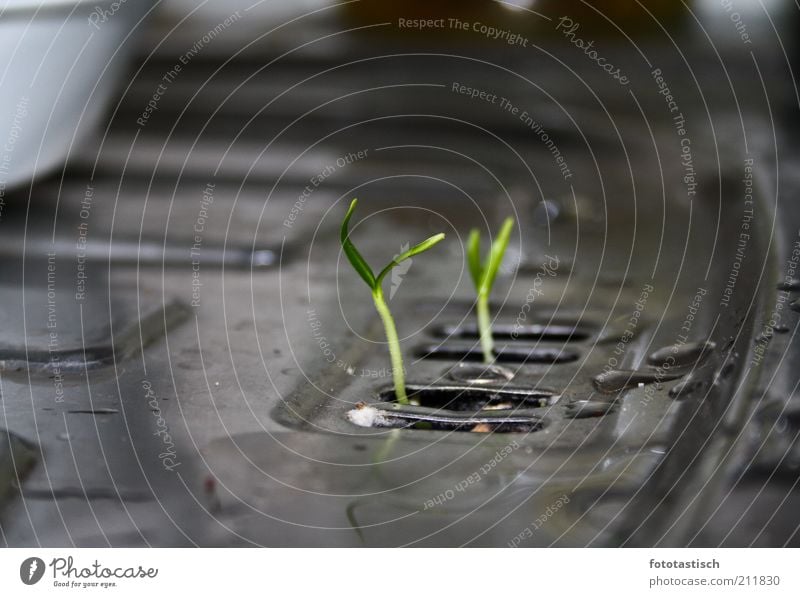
x: 483, y: 273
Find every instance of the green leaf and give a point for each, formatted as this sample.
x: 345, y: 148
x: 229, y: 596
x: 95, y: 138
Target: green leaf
x: 495, y: 257
x: 474, y: 257
x: 355, y: 258
x: 415, y: 250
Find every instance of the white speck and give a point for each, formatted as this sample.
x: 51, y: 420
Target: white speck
x: 640, y: 385
x: 366, y: 416
x: 351, y: 371
x: 216, y: 383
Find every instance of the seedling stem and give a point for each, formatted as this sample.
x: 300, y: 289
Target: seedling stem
x: 483, y: 276
x: 485, y: 328
x: 375, y: 284
x: 398, y: 374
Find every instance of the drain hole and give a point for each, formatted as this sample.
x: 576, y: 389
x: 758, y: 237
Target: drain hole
x: 503, y: 354
x: 471, y: 399
x: 556, y: 333
x: 410, y: 417
x: 502, y: 427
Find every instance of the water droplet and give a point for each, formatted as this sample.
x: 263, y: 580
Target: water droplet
x: 613, y: 280
x: 64, y: 437
x: 789, y: 285
x: 584, y: 409
x: 546, y: 212
x: 619, y: 379
x: 780, y: 329
x: 725, y: 371
x: 615, y: 330
x: 480, y: 374
x: 263, y: 258
x: 685, y: 388
x: 511, y: 261
x: 681, y: 355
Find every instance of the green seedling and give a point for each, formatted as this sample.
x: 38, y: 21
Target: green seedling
x: 483, y: 275
x: 375, y: 285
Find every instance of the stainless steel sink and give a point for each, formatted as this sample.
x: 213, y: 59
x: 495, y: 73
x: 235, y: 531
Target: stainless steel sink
x: 211, y: 341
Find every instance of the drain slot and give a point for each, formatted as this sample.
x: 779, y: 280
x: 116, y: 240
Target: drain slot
x: 555, y: 332
x: 417, y: 417
x: 472, y: 399
x: 503, y: 354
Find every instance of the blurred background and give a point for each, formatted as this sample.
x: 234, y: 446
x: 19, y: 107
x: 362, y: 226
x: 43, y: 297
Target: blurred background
x: 181, y: 339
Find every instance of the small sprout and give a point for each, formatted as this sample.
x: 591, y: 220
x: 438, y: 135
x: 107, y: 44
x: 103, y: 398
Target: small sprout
x: 374, y: 283
x: 483, y: 275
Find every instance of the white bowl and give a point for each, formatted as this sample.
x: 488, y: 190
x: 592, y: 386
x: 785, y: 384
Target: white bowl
x: 60, y: 62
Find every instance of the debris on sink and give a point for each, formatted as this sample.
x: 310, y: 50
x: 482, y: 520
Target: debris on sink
x: 213, y: 502
x: 364, y: 415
